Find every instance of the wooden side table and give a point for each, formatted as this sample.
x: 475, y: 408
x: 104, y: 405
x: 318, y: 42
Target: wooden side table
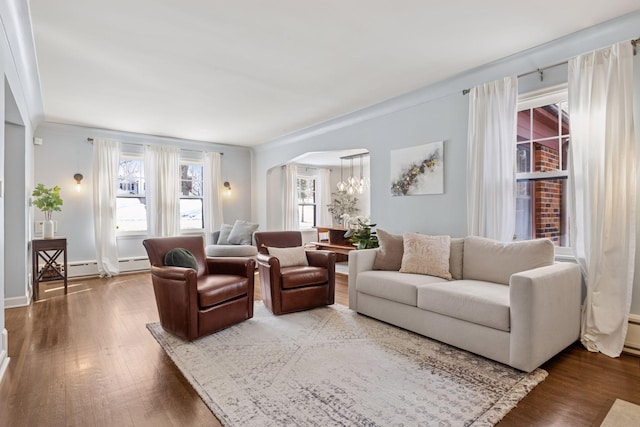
x: 49, y: 252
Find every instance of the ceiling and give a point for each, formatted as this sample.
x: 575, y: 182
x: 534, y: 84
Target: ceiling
x: 248, y: 71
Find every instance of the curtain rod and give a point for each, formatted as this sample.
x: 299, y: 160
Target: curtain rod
x: 135, y: 143
x: 540, y: 71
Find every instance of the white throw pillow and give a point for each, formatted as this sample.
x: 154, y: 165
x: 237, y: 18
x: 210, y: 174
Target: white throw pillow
x: 289, y: 257
x: 242, y: 233
x: 223, y: 236
x: 426, y: 255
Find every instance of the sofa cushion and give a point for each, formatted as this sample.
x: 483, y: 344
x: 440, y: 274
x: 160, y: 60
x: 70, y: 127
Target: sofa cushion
x: 426, y: 255
x: 455, y: 257
x: 389, y: 255
x: 483, y: 303
x: 223, y: 235
x: 231, y: 251
x: 242, y: 232
x: 288, y: 257
x: 299, y: 276
x: 394, y: 286
x: 493, y: 261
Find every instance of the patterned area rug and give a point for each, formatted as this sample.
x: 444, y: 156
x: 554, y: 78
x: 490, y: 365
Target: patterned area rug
x: 332, y: 367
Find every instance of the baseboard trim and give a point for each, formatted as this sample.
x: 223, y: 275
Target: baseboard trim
x: 632, y: 342
x: 4, y: 353
x: 17, y: 301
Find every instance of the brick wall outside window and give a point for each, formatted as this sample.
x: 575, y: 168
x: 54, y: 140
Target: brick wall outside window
x: 548, y: 196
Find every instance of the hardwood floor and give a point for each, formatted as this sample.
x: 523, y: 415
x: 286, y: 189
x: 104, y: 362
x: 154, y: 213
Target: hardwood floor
x: 86, y: 359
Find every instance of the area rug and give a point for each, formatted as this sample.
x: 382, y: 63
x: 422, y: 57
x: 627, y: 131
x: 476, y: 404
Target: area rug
x: 622, y: 414
x: 333, y: 367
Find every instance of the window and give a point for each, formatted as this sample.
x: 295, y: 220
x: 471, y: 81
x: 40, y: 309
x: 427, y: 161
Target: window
x: 306, y: 201
x: 131, y: 209
x: 541, y: 152
x: 191, y: 196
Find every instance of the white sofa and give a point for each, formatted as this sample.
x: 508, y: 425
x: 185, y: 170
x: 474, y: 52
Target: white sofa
x: 503, y: 305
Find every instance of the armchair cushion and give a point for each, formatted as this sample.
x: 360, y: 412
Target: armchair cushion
x: 180, y: 257
x: 289, y: 257
x: 218, y: 288
x: 242, y: 232
x: 296, y: 277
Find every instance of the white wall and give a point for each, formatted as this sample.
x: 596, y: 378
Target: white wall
x: 434, y: 113
x: 21, y: 102
x: 65, y: 151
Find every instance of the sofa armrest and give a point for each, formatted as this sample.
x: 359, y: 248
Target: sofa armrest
x: 545, y: 306
x: 359, y: 260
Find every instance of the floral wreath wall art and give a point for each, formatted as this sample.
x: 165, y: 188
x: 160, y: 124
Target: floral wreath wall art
x: 417, y: 170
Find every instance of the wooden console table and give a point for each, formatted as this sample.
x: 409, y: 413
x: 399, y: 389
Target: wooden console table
x: 336, y: 241
x: 48, y: 251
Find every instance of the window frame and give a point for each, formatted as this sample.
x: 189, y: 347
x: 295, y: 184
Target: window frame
x: 132, y: 233
x: 198, y: 162
x: 314, y: 178
x: 539, y: 98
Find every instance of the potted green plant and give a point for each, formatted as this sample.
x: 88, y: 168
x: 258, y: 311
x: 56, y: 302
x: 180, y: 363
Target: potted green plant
x: 48, y: 200
x: 363, y: 235
x: 343, y: 204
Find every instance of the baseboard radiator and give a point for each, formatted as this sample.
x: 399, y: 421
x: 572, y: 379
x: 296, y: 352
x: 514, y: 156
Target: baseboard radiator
x: 632, y: 343
x: 90, y: 268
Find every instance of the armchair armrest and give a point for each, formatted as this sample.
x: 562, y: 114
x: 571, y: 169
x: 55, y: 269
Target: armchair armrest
x: 172, y: 273
x: 268, y: 260
x: 319, y: 258
x: 545, y: 306
x: 176, y: 292
x: 236, y: 266
x: 359, y: 260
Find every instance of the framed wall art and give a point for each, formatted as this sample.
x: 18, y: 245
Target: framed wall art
x: 418, y: 170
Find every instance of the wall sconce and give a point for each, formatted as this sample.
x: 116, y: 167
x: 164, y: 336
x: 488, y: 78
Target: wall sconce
x: 227, y: 187
x: 78, y: 177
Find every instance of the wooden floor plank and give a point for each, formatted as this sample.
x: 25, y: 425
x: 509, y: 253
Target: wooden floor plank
x: 87, y: 359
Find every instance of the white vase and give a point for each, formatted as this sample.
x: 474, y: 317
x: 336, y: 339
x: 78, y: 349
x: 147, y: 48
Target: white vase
x: 47, y: 229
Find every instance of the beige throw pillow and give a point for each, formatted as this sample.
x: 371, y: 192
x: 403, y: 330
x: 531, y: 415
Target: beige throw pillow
x: 426, y: 255
x: 289, y: 257
x: 389, y: 256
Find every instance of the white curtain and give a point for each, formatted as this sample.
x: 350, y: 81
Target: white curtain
x: 291, y: 221
x: 323, y: 197
x: 162, y: 174
x: 212, y: 197
x: 491, y: 159
x: 602, y: 191
x: 106, y: 161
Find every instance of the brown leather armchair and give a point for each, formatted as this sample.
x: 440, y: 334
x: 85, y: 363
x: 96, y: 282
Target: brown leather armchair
x: 295, y: 288
x: 192, y: 303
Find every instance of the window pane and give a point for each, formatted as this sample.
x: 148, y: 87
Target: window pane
x: 131, y: 177
x: 306, y: 190
x: 191, y: 180
x: 307, y: 215
x: 565, y: 153
x: 545, y: 122
x: 523, y: 158
x: 131, y: 214
x: 541, y: 211
x: 524, y: 125
x: 524, y: 210
x: 191, y: 214
x: 547, y: 156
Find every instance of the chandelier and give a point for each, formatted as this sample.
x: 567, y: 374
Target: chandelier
x: 355, y: 183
